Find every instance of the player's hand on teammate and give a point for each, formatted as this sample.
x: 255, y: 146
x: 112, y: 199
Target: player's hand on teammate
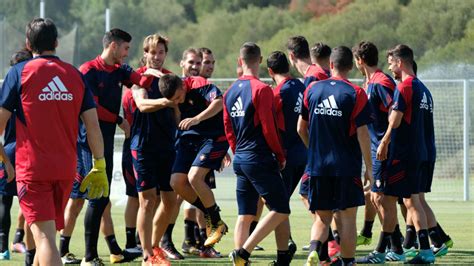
x: 96, y: 181
x: 226, y: 161
x: 368, y: 179
x: 382, y: 151
x: 153, y: 72
x: 187, y: 123
x: 125, y: 126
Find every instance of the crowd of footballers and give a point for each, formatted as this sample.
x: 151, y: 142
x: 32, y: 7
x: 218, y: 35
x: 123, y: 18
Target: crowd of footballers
x: 59, y: 125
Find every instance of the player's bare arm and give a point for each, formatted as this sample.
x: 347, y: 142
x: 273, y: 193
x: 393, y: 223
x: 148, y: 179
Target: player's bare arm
x: 214, y: 108
x: 302, y: 128
x: 146, y: 105
x: 364, y: 143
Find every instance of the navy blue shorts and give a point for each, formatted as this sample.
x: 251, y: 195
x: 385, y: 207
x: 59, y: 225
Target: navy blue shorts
x: 8, y: 189
x: 195, y: 150
x: 84, y: 165
x: 255, y: 180
x: 291, y: 176
x: 402, y: 178
x: 334, y: 193
x: 426, y: 176
x: 378, y: 169
x: 127, y: 170
x: 304, y: 185
x: 152, y: 170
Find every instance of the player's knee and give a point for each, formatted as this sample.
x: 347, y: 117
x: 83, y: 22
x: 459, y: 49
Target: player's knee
x: 148, y: 203
x: 177, y: 182
x: 195, y: 180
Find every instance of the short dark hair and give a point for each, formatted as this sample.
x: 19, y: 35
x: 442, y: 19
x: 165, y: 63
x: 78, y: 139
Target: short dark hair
x: 250, y: 53
x: 204, y: 50
x: 415, y: 67
x: 299, y: 46
x: 278, y: 62
x: 20, y: 56
x: 42, y: 35
x: 190, y: 51
x: 169, y: 84
x: 116, y: 35
x: 402, y: 52
x: 320, y: 50
x: 341, y: 57
x: 368, y: 52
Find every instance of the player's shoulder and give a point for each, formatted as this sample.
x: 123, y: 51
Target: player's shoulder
x: 406, y: 84
x: 194, y: 82
x: 90, y: 65
x: 383, y: 79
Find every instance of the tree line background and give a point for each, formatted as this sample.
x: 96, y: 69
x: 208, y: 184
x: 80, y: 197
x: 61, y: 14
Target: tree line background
x: 441, y: 32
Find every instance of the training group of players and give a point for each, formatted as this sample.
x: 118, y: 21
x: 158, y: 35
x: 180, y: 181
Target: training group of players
x: 59, y: 125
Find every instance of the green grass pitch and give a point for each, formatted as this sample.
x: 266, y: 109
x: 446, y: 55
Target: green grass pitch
x: 457, y: 218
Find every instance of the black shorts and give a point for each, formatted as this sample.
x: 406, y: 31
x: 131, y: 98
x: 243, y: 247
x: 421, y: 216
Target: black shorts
x: 255, y: 180
x: 335, y: 193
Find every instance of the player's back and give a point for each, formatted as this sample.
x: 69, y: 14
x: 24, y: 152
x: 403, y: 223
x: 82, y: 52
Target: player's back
x: 288, y: 102
x: 48, y: 103
x: 241, y: 103
x: 335, y: 107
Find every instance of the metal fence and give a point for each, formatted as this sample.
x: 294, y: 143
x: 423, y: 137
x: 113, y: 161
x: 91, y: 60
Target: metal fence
x: 454, y: 172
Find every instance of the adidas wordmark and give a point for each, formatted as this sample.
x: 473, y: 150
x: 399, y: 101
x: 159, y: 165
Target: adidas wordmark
x: 55, y: 91
x: 328, y: 107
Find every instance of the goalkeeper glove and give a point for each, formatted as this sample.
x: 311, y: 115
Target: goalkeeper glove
x: 96, y: 181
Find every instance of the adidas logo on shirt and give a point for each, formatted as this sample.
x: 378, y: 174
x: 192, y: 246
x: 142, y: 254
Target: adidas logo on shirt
x: 55, y: 91
x: 328, y: 107
x: 236, y: 110
x: 299, y: 102
x: 424, y: 102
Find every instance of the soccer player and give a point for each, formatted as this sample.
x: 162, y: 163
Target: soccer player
x: 201, y: 147
x: 152, y: 145
x: 379, y: 88
x: 333, y: 125
x: 300, y: 58
x: 45, y: 157
x: 190, y: 66
x: 104, y: 74
x: 250, y: 126
x: 320, y: 53
x: 412, y: 152
x: 288, y: 100
x: 152, y: 140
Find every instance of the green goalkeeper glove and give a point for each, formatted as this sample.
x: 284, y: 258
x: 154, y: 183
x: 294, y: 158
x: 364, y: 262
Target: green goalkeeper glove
x: 96, y: 181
